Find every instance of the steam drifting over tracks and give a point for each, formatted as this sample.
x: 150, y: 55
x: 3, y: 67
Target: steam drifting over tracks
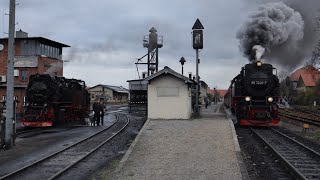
x: 53, y: 166
x: 301, y: 161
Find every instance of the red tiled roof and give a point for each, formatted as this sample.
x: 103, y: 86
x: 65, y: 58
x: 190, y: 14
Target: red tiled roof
x: 221, y: 92
x: 304, y: 70
x: 310, y: 80
x: 309, y: 74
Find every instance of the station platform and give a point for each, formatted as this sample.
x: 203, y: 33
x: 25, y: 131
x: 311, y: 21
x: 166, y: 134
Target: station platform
x: 204, y: 148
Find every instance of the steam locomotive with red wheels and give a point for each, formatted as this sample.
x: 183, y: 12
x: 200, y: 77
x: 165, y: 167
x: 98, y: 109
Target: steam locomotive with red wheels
x: 253, y: 94
x: 53, y: 100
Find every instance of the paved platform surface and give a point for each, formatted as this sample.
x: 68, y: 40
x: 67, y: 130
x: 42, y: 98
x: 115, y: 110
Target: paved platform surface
x: 183, y: 149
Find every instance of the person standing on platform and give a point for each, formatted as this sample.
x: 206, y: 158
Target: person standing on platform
x: 96, y: 110
x: 206, y: 101
x: 101, y: 113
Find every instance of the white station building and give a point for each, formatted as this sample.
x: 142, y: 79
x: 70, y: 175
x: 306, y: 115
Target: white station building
x: 169, y: 95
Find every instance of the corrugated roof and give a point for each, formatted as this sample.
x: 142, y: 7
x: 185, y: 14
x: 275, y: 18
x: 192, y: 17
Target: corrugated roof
x: 42, y: 40
x: 119, y: 89
x: 167, y: 70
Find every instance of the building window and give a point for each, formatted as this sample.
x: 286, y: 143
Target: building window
x: 24, y: 75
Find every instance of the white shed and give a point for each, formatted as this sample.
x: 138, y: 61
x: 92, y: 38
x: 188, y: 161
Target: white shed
x: 169, y: 95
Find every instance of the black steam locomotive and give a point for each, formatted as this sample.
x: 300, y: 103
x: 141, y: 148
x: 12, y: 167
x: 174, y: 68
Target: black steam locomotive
x: 53, y: 100
x: 253, y: 94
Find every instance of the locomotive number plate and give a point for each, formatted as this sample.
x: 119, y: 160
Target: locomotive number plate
x: 259, y: 82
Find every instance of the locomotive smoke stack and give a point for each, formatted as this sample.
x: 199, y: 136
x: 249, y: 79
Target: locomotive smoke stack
x: 272, y: 26
x: 258, y: 52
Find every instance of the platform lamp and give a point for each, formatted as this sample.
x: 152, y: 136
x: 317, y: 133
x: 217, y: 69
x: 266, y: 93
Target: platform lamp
x: 197, y: 43
x: 182, y: 61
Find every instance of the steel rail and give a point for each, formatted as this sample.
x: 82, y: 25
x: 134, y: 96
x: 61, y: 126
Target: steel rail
x: 92, y: 151
x: 290, y: 166
x: 301, y: 119
x: 60, y: 151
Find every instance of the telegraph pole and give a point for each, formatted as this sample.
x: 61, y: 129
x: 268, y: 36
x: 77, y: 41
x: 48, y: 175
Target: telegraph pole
x: 10, y: 79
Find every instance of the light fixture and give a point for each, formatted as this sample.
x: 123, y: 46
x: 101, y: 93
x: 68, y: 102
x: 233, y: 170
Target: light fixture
x: 270, y: 99
x: 247, y: 98
x: 259, y: 63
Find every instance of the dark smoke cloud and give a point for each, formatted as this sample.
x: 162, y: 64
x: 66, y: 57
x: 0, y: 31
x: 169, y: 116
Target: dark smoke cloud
x: 286, y: 29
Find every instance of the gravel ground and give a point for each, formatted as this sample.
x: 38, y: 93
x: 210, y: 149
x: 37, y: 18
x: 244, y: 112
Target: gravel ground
x: 183, y: 149
x: 310, y: 138
x: 259, y: 164
x: 101, y: 163
x: 32, y: 148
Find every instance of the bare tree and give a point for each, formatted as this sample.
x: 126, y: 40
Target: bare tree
x: 315, y: 57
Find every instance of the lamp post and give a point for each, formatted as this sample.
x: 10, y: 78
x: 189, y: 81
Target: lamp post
x: 197, y: 40
x: 182, y: 61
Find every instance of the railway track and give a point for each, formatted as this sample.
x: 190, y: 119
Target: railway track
x: 305, y: 118
x: 301, y: 161
x: 56, y: 164
x: 23, y: 132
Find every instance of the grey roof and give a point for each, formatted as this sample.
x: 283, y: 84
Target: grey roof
x: 167, y: 70
x: 118, y: 89
x: 42, y: 40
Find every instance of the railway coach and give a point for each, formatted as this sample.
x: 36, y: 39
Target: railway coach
x: 253, y: 94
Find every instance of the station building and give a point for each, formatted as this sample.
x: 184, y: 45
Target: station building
x: 169, y: 95
x: 108, y: 93
x: 32, y: 55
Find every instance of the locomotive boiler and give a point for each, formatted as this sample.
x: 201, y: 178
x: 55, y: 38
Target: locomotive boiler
x: 53, y: 100
x: 253, y: 94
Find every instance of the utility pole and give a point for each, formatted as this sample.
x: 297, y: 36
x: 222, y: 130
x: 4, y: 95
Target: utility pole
x: 10, y: 79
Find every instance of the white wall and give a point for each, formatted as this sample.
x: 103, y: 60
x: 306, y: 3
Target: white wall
x: 169, y: 98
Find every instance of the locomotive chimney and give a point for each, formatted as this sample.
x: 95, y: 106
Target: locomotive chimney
x: 190, y: 75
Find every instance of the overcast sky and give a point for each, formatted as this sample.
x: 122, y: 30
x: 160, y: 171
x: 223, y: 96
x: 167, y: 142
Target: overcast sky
x: 106, y: 36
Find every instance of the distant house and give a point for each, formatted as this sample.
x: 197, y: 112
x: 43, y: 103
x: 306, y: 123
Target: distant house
x: 108, y: 93
x: 203, y: 91
x: 218, y: 93
x: 303, y: 79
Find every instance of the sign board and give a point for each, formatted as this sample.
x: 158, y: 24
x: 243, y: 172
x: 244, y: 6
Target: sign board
x: 167, y: 91
x: 26, y: 61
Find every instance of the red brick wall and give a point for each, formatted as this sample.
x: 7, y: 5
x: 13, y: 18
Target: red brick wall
x: 19, y: 93
x: 45, y: 64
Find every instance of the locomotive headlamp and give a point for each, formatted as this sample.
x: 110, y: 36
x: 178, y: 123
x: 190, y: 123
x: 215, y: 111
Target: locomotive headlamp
x: 259, y: 63
x: 270, y: 99
x: 247, y: 98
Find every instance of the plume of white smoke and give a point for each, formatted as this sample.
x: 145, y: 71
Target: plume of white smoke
x: 54, y: 68
x: 273, y: 25
x: 259, y: 51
